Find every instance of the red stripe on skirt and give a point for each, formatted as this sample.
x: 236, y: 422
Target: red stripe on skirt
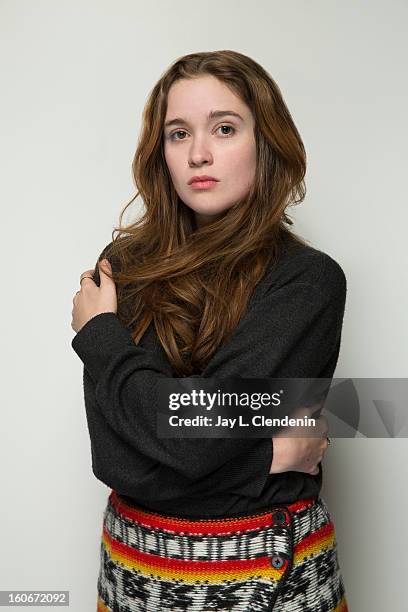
x: 202, y: 526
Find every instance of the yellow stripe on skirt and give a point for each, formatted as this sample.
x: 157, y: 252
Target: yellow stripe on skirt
x: 283, y: 559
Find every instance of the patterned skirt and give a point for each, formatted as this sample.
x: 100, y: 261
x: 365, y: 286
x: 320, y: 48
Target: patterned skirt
x: 283, y: 559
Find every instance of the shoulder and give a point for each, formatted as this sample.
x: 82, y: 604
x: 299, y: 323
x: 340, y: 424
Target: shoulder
x: 313, y: 266
x: 332, y: 275
x: 306, y: 265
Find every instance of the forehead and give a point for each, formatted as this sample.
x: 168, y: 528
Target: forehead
x: 195, y: 98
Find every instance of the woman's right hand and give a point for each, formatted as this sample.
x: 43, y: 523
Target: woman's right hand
x: 296, y: 453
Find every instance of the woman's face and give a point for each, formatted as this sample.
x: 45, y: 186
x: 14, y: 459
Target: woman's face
x: 222, y: 147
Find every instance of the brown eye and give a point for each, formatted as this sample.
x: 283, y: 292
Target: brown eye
x: 176, y: 132
x: 228, y: 127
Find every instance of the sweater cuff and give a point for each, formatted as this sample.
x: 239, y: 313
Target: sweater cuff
x: 100, y: 339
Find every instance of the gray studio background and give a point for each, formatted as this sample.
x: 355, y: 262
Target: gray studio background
x: 75, y: 76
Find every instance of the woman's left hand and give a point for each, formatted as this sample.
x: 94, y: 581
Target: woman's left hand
x: 92, y: 300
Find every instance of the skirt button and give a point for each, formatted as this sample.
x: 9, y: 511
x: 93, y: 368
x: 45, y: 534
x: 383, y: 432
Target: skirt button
x: 279, y: 517
x: 277, y: 561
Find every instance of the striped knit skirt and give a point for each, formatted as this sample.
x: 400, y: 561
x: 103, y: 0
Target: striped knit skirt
x: 283, y: 559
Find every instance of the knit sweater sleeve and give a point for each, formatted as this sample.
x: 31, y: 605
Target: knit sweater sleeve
x: 291, y: 329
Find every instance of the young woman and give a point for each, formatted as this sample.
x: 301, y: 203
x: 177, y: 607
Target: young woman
x: 210, y: 282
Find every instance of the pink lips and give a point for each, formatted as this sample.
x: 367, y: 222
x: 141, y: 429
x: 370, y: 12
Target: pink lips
x: 202, y: 177
x: 202, y: 182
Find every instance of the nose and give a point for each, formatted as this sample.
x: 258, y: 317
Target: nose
x: 199, y: 153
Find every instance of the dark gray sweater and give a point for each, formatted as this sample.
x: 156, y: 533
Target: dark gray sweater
x: 292, y: 328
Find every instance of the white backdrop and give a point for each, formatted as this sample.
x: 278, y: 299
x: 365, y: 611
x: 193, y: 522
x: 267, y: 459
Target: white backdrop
x: 75, y: 76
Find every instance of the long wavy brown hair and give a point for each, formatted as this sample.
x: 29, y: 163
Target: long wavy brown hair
x: 193, y: 284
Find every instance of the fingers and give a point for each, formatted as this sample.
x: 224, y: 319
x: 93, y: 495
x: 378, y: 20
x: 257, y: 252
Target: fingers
x: 105, y: 269
x: 314, y: 469
x: 321, y: 428
x: 86, y: 277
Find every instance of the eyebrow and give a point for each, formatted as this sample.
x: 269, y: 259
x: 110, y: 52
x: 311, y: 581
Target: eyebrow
x: 211, y: 115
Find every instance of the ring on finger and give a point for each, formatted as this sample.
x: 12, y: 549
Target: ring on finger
x: 84, y: 276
